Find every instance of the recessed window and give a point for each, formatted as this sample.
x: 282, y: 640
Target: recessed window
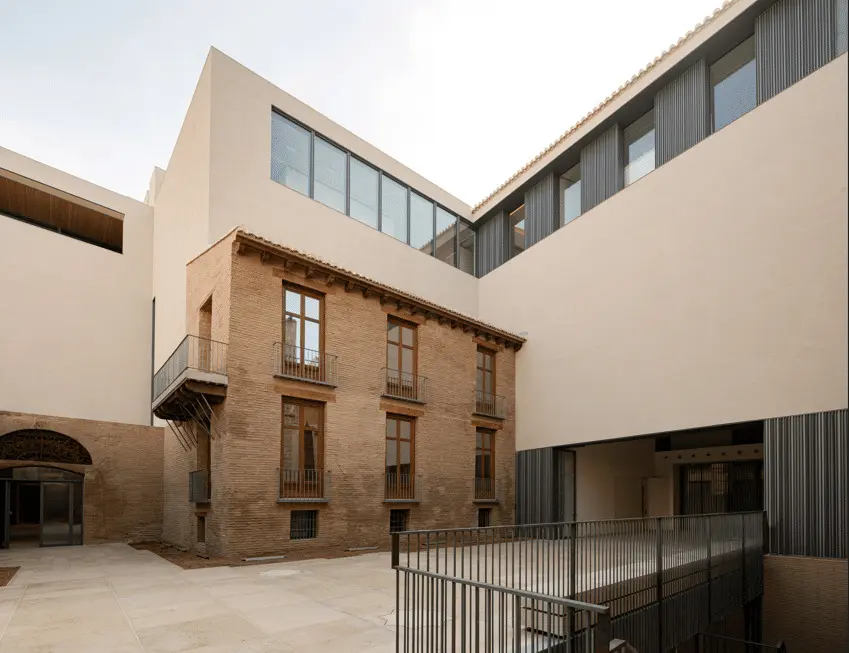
x: 302, y: 337
x: 446, y: 231
x: 200, y: 531
x: 303, y: 525
x: 393, y: 212
x: 485, y: 454
x: 639, y: 148
x: 570, y: 194
x: 733, y: 84
x: 398, y: 520
x: 290, y: 154
x: 364, y: 192
x: 466, y: 250
x: 302, y: 449
x: 401, y: 346
x: 330, y: 175
x: 517, y: 225
x: 484, y: 517
x: 421, y: 223
x: 400, y: 457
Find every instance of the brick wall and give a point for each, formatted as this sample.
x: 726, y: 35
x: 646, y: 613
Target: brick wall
x: 245, y: 516
x: 122, y: 490
x: 805, y: 603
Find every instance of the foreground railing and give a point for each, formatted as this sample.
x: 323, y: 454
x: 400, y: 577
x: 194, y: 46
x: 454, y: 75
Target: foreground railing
x: 403, y: 385
x: 304, y: 485
x: 305, y: 364
x: 194, y: 353
x: 490, y: 405
x: 199, y: 487
x: 664, y: 579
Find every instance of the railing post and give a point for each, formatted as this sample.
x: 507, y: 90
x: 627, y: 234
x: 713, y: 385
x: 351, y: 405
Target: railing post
x: 743, y: 592
x: 710, y: 573
x: 396, y: 549
x: 517, y: 624
x: 659, y: 583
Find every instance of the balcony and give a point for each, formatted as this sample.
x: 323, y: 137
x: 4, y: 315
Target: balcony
x: 195, y: 372
x: 199, y: 488
x: 490, y: 405
x: 304, y: 486
x: 486, y: 490
x: 302, y: 364
x: 403, y: 385
x: 402, y: 488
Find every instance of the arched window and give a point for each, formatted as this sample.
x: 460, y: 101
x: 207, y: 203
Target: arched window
x: 43, y: 446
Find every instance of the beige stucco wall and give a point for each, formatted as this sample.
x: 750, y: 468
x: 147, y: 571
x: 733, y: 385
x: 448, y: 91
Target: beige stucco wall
x: 75, y: 319
x: 712, y: 291
x: 242, y: 192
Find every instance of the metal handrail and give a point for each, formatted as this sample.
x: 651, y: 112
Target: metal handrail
x: 404, y: 385
x: 304, y: 485
x: 489, y: 404
x: 195, y: 353
x: 305, y: 364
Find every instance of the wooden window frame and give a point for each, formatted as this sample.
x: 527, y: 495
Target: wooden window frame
x: 299, y: 366
x: 398, y: 440
x: 491, y: 449
x: 306, y: 486
x: 486, y: 353
x: 402, y: 383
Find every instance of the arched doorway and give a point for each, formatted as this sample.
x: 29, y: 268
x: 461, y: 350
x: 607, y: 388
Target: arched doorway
x: 43, y: 503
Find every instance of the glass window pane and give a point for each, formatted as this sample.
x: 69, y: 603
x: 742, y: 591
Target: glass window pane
x: 407, y: 362
x: 392, y: 356
x: 404, y: 429
x: 486, y: 460
x: 391, y: 428
x: 733, y: 80
x: 639, y: 148
x: 291, y: 415
x: 404, y: 458
x: 479, y: 381
x: 291, y: 446
x: 467, y: 248
x: 421, y: 223
x: 292, y: 335
x: 312, y: 306
x: 364, y: 186
x: 486, y: 440
x: 570, y: 191
x: 517, y: 222
x: 293, y: 302
x: 478, y: 439
x: 330, y: 184
x: 290, y: 154
x: 407, y: 336
x: 446, y: 225
x: 391, y: 456
x: 393, y: 332
x: 311, y: 336
x: 310, y: 451
x: 312, y: 417
x: 394, y: 209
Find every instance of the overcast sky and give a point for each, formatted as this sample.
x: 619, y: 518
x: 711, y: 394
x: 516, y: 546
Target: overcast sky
x: 462, y: 91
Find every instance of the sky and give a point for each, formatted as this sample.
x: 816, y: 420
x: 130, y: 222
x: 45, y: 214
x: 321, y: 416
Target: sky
x: 464, y: 92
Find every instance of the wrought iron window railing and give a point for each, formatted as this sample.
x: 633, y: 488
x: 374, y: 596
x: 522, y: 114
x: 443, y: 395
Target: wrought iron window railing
x: 194, y: 353
x: 305, y: 364
x: 403, y: 385
x: 490, y: 405
x: 304, y: 485
x: 402, y: 487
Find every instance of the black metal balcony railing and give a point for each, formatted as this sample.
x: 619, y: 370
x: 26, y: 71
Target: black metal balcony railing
x: 490, y: 405
x: 403, y: 385
x: 485, y: 489
x: 304, y: 485
x: 402, y: 487
x: 199, y: 488
x: 305, y: 364
x: 664, y: 580
x: 193, y: 353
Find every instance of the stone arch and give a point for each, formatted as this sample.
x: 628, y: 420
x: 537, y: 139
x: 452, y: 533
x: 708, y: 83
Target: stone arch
x: 43, y: 446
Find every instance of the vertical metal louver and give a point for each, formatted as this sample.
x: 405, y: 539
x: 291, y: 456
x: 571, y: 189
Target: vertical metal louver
x: 541, y: 210
x: 602, y: 171
x: 793, y: 38
x: 534, y: 486
x: 805, y: 484
x: 492, y: 243
x: 682, y: 113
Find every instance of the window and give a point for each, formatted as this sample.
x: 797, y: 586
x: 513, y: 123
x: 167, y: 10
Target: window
x: 421, y: 223
x: 302, y: 450
x: 400, y: 456
x: 485, y: 454
x: 393, y: 211
x: 200, y: 534
x: 446, y: 226
x: 401, y: 358
x: 570, y: 194
x: 484, y: 517
x: 398, y: 520
x: 466, y: 239
x: 330, y: 175
x: 302, y: 334
x: 303, y: 525
x: 364, y: 190
x: 485, y: 371
x: 639, y: 148
x: 290, y: 154
x: 732, y: 80
x: 517, y: 225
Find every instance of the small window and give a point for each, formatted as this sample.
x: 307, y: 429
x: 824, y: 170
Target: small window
x: 302, y: 332
x: 421, y: 223
x: 330, y: 175
x: 446, y: 232
x: 466, y: 239
x: 398, y: 520
x: 393, y: 211
x: 201, y: 529
x: 570, y: 194
x: 517, y: 225
x: 484, y: 517
x: 639, y: 148
x: 485, y: 371
x: 732, y: 80
x: 303, y: 525
x: 400, y: 457
x: 364, y: 193
x: 290, y: 154
x: 302, y: 448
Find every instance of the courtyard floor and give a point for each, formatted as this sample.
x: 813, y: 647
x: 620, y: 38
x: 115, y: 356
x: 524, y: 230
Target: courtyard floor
x: 112, y: 598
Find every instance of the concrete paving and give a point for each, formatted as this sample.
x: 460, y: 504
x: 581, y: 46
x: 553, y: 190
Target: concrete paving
x: 112, y: 598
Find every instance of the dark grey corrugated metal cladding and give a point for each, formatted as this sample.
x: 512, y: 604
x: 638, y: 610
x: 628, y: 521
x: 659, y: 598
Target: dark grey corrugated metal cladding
x: 792, y: 39
x: 534, y: 486
x: 682, y: 113
x: 491, y: 244
x: 602, y: 172
x: 806, y: 481
x: 541, y: 210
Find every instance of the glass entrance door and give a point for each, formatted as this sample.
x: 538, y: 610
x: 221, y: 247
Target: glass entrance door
x: 56, y: 513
